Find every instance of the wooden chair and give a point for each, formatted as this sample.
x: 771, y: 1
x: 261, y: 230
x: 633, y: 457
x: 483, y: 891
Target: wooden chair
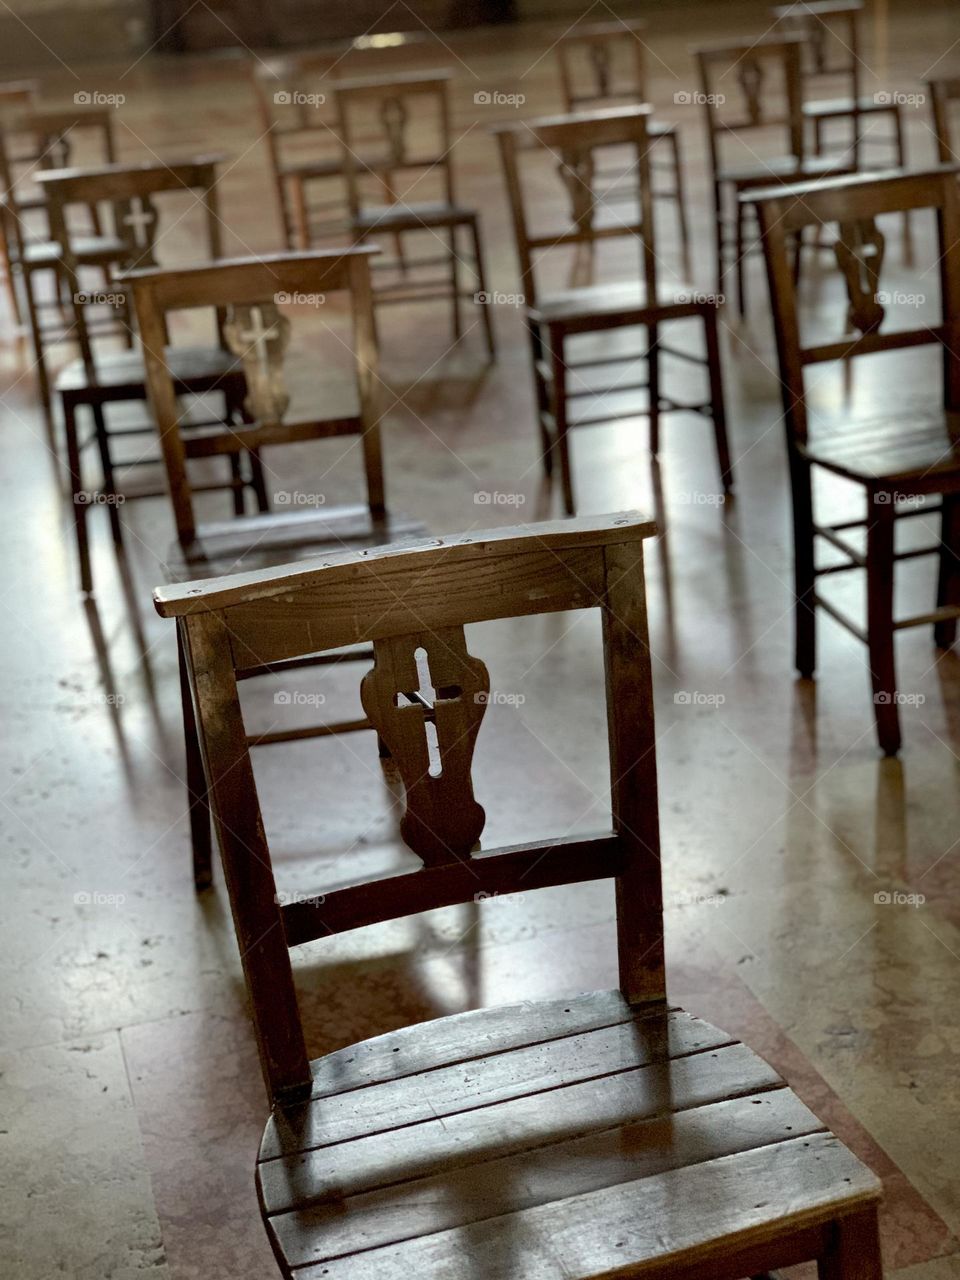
x: 739, y: 103
x: 51, y: 137
x: 831, y: 29
x: 943, y: 95
x: 257, y: 334
x: 16, y: 97
x: 603, y: 64
x: 603, y: 1135
x: 554, y: 319
x: 422, y: 145
x: 131, y: 198
x: 895, y: 460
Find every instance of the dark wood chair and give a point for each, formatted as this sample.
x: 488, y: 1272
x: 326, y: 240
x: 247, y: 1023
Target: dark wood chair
x: 909, y: 455
x: 16, y: 97
x: 249, y: 293
x: 555, y: 319
x: 833, y: 63
x: 604, y: 1135
x: 31, y: 143
x: 747, y: 92
x: 409, y: 117
x: 604, y: 64
x: 128, y: 200
x: 944, y: 94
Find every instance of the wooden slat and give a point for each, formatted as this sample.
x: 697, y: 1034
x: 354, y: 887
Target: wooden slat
x: 680, y: 1217
x: 854, y: 196
x: 509, y: 870
x: 468, y: 1195
x: 222, y: 439
x: 86, y: 185
x: 463, y: 1036
x: 496, y: 1077
x: 863, y: 344
x: 522, y: 1125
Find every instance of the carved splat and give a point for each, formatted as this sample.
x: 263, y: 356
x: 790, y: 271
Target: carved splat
x: 393, y: 116
x: 576, y: 171
x: 57, y: 151
x: 816, y: 33
x: 428, y: 714
x: 599, y: 55
x: 259, y: 335
x: 136, y: 222
x: 859, y: 251
x: 750, y: 74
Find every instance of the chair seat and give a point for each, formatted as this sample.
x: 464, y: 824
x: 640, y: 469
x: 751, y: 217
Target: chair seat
x: 784, y: 169
x: 607, y: 300
x: 193, y: 368
x: 556, y: 1140
x: 828, y: 107
x: 408, y: 217
x: 912, y: 451
x: 250, y: 543
x: 88, y: 249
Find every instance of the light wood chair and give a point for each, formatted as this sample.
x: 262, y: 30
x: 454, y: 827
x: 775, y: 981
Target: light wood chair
x: 249, y: 293
x: 555, y: 319
x: 748, y: 91
x: 604, y: 64
x: 944, y: 94
x: 135, y: 204
x: 897, y: 459
x: 603, y: 1135
x: 833, y: 62
x: 50, y: 138
x: 410, y: 117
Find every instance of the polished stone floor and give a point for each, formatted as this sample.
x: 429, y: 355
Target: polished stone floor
x: 131, y: 1099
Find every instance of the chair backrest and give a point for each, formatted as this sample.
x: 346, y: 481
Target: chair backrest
x: 130, y: 192
x: 944, y: 94
x: 853, y: 204
x: 53, y: 133
x: 412, y: 602
x: 403, y: 126
x: 570, y: 141
x: 602, y: 62
x: 249, y: 292
x: 735, y: 91
x: 831, y: 32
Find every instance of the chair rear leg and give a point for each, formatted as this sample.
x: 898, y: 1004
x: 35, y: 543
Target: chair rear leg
x: 948, y: 584
x: 653, y: 387
x: 454, y: 285
x: 39, y: 355
x: 482, y: 286
x: 718, y: 411
x: 880, y: 636
x: 109, y: 479
x: 680, y: 198
x: 77, y: 497
x: 854, y: 1252
x: 561, y: 444
x: 801, y: 484
x: 542, y: 392
x: 741, y: 274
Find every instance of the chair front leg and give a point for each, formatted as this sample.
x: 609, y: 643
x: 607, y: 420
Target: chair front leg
x: 880, y: 635
x: 197, y: 793
x: 805, y: 625
x: 680, y: 198
x: 948, y: 583
x: 482, y: 286
x: 718, y: 411
x: 77, y: 496
x: 559, y: 400
x: 542, y: 392
x: 653, y: 386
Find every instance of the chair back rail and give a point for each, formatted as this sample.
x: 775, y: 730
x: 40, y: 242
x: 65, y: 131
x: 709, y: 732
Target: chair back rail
x: 245, y: 291
x: 572, y: 140
x: 430, y: 590
x: 854, y: 203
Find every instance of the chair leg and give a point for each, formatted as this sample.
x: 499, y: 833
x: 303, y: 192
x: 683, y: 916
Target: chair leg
x: 854, y: 1252
x: 678, y: 189
x: 542, y: 392
x: 77, y: 497
x: 741, y: 275
x: 482, y: 284
x: 561, y: 444
x: 715, y: 372
x: 43, y: 378
x: 880, y: 637
x: 299, y: 213
x: 109, y: 481
x: 454, y: 285
x: 805, y: 651
x: 6, y: 269
x: 948, y: 583
x: 653, y: 386
x: 258, y: 481
x: 719, y: 232
x: 197, y: 794
x: 236, y: 476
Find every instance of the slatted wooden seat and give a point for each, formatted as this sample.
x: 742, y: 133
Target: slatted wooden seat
x: 913, y: 452
x: 243, y: 294
x: 604, y: 1135
x: 556, y: 317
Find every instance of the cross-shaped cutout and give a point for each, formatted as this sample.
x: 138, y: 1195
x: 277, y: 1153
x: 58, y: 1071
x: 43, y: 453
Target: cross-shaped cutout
x: 140, y: 218
x: 425, y: 699
x: 258, y: 335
